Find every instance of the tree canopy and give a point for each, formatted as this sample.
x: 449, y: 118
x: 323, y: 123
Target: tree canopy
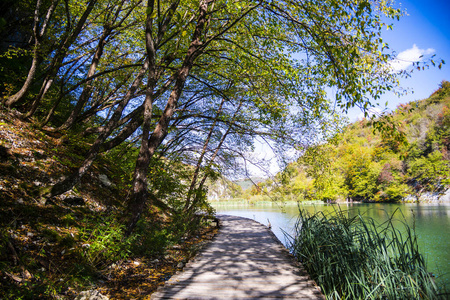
x: 193, y: 82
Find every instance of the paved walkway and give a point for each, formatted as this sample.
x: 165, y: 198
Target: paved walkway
x: 244, y: 261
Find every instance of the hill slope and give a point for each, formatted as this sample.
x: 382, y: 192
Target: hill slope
x: 409, y: 162
x: 54, y: 248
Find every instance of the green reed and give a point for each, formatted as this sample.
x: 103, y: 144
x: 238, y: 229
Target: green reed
x: 356, y: 258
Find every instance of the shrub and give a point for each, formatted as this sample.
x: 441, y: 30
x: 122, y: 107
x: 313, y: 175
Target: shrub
x: 105, y: 243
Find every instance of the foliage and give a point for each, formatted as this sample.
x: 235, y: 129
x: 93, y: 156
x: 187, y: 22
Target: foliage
x: 352, y: 257
x: 105, y: 243
x: 195, y: 81
x: 431, y: 171
x: 362, y: 164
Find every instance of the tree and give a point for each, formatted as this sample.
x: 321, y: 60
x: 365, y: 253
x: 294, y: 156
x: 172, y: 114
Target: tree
x: 39, y: 30
x: 67, y: 40
x: 430, y: 172
x: 272, y: 59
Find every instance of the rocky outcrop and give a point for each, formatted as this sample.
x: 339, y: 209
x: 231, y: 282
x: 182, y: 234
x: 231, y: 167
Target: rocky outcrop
x: 429, y: 197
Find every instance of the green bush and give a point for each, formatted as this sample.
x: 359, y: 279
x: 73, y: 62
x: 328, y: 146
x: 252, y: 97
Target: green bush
x: 151, y: 239
x: 105, y: 243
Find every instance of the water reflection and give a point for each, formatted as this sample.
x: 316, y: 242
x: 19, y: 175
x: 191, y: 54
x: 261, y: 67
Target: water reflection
x: 432, y: 224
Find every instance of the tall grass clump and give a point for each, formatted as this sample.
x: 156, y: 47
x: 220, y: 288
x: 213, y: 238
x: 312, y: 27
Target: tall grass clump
x: 356, y: 258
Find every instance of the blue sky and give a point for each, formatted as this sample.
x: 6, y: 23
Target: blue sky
x: 424, y: 30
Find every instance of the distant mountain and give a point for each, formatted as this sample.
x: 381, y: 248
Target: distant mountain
x: 246, y: 183
x: 223, y: 189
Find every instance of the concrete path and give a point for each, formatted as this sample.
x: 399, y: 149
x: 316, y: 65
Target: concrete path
x: 244, y: 261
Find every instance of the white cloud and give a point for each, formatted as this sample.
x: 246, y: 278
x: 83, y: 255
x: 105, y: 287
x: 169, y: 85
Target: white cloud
x: 406, y: 58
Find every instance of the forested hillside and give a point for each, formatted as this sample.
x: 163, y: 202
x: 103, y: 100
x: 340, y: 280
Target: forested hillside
x: 363, y: 164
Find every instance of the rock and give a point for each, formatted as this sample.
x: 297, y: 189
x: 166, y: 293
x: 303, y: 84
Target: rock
x: 105, y: 180
x: 180, y: 265
x: 91, y: 295
x: 445, y: 198
x: 75, y: 201
x: 20, y: 201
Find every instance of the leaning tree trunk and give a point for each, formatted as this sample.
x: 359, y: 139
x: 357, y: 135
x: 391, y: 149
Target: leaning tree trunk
x: 70, y: 181
x: 86, y: 93
x: 138, y: 200
x: 59, y: 58
x: 25, y: 87
x: 38, y: 35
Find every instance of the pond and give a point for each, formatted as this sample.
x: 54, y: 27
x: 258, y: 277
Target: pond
x: 431, y: 221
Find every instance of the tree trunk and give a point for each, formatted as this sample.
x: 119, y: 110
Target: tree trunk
x: 139, y: 198
x: 38, y: 35
x: 86, y: 93
x: 70, y: 181
x: 138, y: 201
x: 19, y: 95
x: 59, y: 57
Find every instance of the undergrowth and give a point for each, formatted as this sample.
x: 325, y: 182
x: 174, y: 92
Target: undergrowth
x: 54, y: 249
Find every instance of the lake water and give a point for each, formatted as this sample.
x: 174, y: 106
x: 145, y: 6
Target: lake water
x: 432, y: 223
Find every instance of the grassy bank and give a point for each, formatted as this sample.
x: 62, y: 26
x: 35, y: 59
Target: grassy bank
x: 241, y: 202
x: 356, y: 258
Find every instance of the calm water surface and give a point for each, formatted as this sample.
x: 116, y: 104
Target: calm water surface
x: 432, y: 223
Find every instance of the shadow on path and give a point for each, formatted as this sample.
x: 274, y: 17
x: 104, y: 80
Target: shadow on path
x: 244, y: 261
